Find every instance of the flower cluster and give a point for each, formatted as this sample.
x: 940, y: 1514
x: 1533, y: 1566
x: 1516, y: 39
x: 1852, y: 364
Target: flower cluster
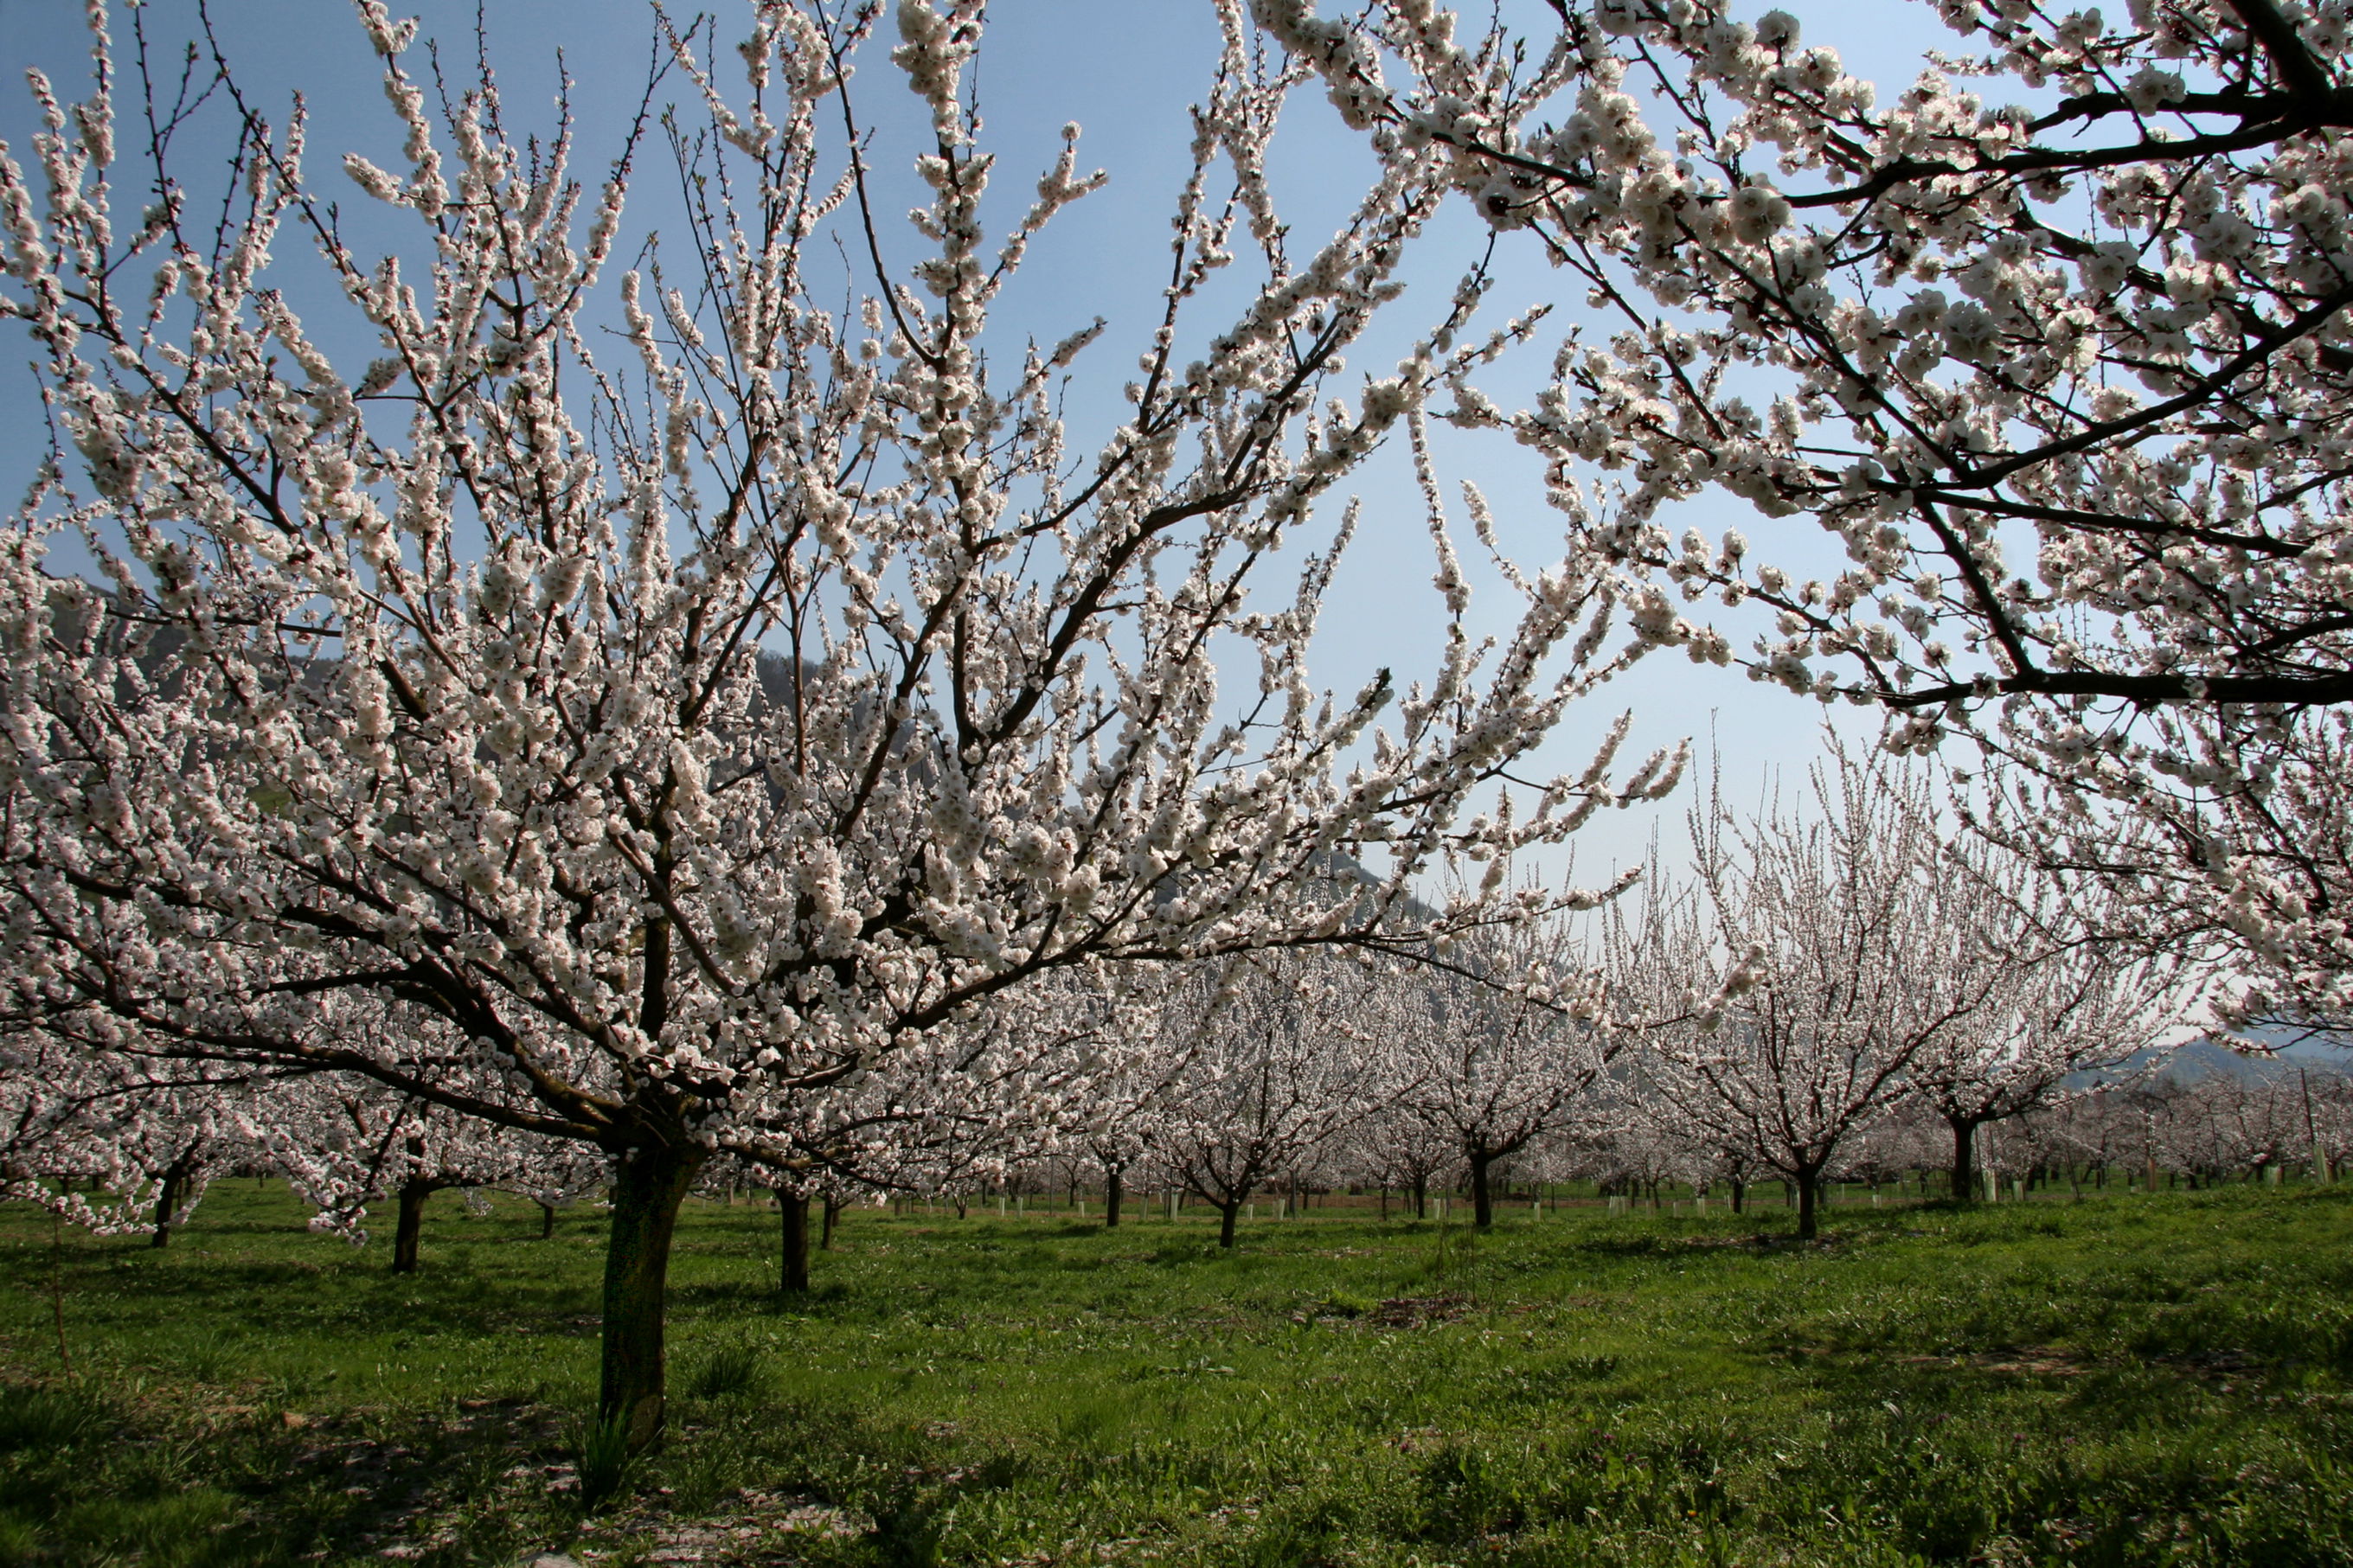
x: 2070, y: 387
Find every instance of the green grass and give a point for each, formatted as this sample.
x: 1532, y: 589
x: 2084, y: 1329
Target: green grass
x: 2126, y: 1380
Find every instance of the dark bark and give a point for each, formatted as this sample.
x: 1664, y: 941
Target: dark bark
x: 794, y: 1274
x: 170, y: 1197
x: 1421, y: 1197
x: 1483, y: 1194
x: 832, y: 1212
x: 411, y: 1229
x: 1965, y: 1158
x: 1739, y: 1195
x: 546, y: 1221
x: 1227, y: 1215
x: 168, y: 1201
x: 1111, y: 1197
x: 1809, y: 1186
x: 648, y: 1188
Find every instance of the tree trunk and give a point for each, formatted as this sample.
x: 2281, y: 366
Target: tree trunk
x: 546, y: 1221
x: 648, y: 1188
x: 1739, y: 1195
x: 1111, y: 1197
x: 793, y: 1276
x: 1809, y: 1187
x: 167, y: 1201
x: 405, y: 1236
x: 1965, y: 1158
x: 1483, y: 1195
x: 1384, y: 1200
x: 832, y: 1212
x: 1421, y: 1197
x: 1227, y: 1214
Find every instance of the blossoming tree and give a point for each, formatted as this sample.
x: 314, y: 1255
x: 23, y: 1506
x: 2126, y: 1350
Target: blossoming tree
x: 2068, y: 998
x: 2235, y: 854
x: 666, y: 744
x: 2052, y: 342
x: 1264, y: 1063
x: 1494, y: 1051
x: 145, y: 1139
x: 2114, y: 320
x: 1853, y: 953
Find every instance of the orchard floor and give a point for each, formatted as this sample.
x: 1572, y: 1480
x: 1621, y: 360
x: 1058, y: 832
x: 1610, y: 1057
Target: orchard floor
x: 2123, y: 1380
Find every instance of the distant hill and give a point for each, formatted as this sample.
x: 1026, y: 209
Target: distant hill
x: 2204, y: 1058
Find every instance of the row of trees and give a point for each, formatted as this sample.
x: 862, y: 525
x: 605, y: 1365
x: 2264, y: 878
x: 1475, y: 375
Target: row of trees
x: 744, y: 745
x: 659, y: 730
x: 1828, y: 969
x: 2140, y: 1130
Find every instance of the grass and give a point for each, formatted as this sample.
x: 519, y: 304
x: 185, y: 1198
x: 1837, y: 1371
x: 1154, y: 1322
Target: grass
x: 2122, y: 1381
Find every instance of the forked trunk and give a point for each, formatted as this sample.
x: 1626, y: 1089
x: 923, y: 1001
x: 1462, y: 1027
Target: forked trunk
x: 648, y: 1188
x: 794, y: 1276
x: 1482, y: 1195
x: 1227, y: 1215
x: 411, y: 1229
x: 1111, y: 1198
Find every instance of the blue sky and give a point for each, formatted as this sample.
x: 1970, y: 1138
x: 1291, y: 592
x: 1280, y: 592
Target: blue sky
x: 1125, y: 70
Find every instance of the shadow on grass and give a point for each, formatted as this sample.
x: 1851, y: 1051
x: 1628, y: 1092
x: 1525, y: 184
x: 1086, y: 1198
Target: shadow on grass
x: 86, y: 1476
x: 1935, y: 1382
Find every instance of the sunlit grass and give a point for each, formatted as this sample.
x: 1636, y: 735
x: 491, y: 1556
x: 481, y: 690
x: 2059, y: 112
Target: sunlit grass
x: 2120, y: 1381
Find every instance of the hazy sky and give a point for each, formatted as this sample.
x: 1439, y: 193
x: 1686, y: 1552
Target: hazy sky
x: 1125, y: 70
